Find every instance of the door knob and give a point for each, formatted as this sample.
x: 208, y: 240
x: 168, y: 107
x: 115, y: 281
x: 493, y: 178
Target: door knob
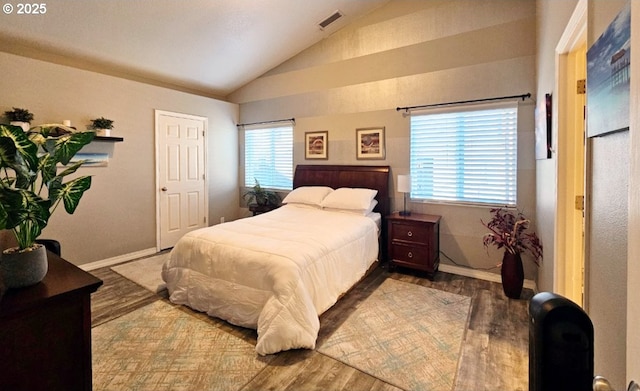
x: 164, y: 189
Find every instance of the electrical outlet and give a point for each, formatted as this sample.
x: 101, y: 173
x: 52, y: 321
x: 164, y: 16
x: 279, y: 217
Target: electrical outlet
x: 221, y: 219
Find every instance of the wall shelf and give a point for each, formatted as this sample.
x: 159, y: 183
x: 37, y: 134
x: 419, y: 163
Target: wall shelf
x: 110, y: 138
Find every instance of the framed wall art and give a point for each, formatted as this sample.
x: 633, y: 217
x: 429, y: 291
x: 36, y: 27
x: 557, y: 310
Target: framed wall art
x: 608, y: 78
x: 92, y: 159
x: 316, y: 145
x: 370, y: 143
x: 543, y: 128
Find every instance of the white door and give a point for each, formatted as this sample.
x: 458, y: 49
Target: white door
x: 180, y: 170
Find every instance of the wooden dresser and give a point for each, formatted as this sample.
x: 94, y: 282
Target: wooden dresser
x: 45, y: 331
x: 414, y: 241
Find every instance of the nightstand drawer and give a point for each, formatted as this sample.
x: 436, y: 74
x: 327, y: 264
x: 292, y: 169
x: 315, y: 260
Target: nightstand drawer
x: 409, y: 232
x: 408, y: 253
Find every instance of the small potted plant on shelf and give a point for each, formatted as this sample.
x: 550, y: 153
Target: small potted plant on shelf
x: 32, y: 186
x: 102, y: 126
x: 19, y: 117
x: 509, y: 231
x: 261, y: 196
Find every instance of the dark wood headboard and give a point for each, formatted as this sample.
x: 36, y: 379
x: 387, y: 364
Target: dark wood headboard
x: 335, y: 176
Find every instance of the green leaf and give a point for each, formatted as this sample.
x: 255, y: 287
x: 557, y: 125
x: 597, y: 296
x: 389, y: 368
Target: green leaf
x: 71, y: 192
x: 48, y: 168
x: 27, y: 150
x: 4, y: 218
x: 7, y: 152
x: 22, y: 208
x: 10, y: 158
x: 70, y: 169
x: 11, y: 208
x: 37, y: 212
x: 68, y: 145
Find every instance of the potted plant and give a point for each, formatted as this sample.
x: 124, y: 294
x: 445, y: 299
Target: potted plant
x: 261, y: 196
x: 102, y: 126
x: 509, y: 231
x: 31, y: 188
x: 19, y: 117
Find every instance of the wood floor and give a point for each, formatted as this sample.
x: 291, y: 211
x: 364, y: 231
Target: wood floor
x: 494, y: 354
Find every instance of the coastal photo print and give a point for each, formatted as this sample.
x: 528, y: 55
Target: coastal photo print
x: 608, y: 81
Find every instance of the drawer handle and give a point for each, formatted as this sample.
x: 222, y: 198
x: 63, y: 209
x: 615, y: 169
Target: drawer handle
x: 409, y: 234
x: 410, y: 255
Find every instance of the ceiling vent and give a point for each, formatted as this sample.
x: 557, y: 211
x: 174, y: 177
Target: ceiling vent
x: 332, y: 18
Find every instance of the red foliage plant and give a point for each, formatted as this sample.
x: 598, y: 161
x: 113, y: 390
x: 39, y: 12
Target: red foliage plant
x: 508, y: 231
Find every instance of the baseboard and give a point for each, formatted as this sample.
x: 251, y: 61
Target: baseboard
x: 119, y: 259
x: 481, y: 275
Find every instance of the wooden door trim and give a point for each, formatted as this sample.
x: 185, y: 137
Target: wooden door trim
x: 573, y: 38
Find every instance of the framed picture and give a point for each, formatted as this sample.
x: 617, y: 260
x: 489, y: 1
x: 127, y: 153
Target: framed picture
x: 370, y: 143
x: 543, y: 128
x: 91, y: 159
x: 608, y: 78
x: 316, y: 145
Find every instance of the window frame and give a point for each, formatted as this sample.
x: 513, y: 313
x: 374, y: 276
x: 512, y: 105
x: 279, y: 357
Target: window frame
x: 250, y: 175
x: 461, y: 193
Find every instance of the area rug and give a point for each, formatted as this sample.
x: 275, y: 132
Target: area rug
x: 405, y: 334
x: 160, y: 347
x: 145, y: 272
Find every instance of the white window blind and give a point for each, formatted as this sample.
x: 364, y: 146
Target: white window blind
x: 268, y: 157
x: 466, y: 155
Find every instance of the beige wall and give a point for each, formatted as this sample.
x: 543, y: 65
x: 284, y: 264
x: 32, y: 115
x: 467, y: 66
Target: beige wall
x: 117, y: 216
x: 409, y: 53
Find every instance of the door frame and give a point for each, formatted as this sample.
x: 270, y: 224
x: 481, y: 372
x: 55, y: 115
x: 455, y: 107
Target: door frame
x: 570, y: 277
x: 205, y: 121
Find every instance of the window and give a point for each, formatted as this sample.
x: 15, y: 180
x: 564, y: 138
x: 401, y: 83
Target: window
x: 268, y: 157
x: 466, y: 155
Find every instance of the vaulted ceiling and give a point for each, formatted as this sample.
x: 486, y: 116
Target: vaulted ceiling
x: 208, y: 47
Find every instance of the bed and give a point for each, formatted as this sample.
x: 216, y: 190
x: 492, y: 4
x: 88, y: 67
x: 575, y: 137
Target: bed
x: 277, y: 272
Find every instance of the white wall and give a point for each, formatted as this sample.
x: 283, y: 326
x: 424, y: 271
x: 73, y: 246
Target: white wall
x: 403, y: 54
x: 117, y: 215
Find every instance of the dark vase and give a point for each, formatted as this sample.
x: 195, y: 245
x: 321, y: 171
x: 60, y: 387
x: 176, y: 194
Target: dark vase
x: 512, y: 275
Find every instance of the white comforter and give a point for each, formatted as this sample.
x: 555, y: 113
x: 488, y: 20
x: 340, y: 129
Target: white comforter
x: 275, y: 272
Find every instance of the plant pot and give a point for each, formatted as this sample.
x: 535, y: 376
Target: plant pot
x: 24, y: 268
x: 512, y: 273
x: 103, y: 132
x: 262, y: 200
x: 24, y: 125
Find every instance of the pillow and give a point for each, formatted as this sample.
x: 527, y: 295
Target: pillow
x: 361, y: 212
x: 349, y: 198
x: 310, y: 195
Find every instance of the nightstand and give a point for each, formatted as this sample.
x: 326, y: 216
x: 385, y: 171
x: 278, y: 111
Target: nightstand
x: 414, y: 241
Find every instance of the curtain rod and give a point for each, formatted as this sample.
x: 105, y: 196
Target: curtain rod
x: 522, y: 96
x: 269, y: 122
